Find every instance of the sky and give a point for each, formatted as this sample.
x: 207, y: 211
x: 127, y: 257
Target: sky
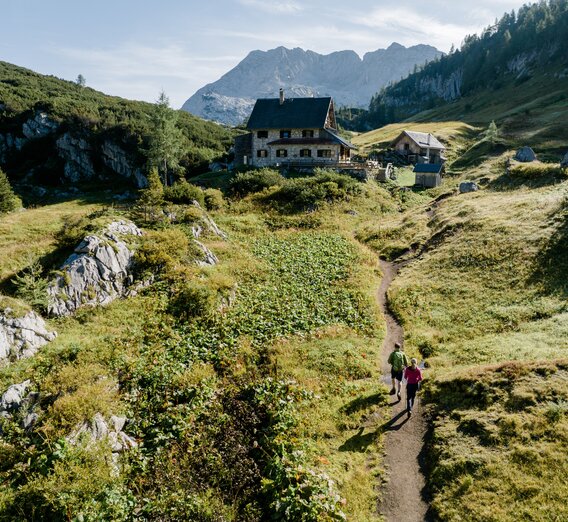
x: 136, y: 48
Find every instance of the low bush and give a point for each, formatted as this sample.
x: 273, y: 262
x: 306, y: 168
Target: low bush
x: 31, y: 286
x: 185, y: 193
x: 213, y: 199
x: 193, y: 301
x: 311, y: 192
x: 254, y: 181
x: 8, y: 200
x: 162, y: 250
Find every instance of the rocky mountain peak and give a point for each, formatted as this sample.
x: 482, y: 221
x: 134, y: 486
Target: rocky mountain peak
x: 350, y: 80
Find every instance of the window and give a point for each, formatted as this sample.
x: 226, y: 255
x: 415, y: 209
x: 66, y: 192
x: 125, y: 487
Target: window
x: 307, y: 134
x: 423, y: 152
x: 262, y: 134
x: 281, y: 153
x: 407, y: 146
x: 261, y: 153
x: 325, y: 153
x: 285, y: 134
x: 305, y: 153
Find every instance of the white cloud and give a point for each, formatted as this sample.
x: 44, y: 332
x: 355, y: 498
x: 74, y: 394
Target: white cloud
x: 410, y: 27
x: 142, y: 71
x: 274, y: 6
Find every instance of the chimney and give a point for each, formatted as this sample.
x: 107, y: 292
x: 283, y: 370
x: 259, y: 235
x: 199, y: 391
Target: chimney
x: 281, y: 96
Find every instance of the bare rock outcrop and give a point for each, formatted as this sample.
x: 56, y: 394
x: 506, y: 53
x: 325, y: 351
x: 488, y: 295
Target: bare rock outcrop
x: 97, y: 273
x: 564, y: 162
x: 98, y: 429
x: 22, y: 337
x: 76, y: 151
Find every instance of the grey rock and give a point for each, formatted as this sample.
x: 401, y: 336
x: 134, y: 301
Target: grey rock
x: 98, y: 429
x: 14, y: 396
x: 525, y: 155
x: 209, y: 258
x: 97, y: 273
x: 30, y: 420
x: 76, y: 152
x: 206, y: 224
x: 468, y: 186
x: 39, y: 126
x: 564, y: 162
x: 22, y: 337
x: 349, y: 79
x: 116, y: 158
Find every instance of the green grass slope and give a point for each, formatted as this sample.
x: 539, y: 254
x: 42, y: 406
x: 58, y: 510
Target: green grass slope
x: 484, y: 300
x: 243, y: 383
x: 95, y: 115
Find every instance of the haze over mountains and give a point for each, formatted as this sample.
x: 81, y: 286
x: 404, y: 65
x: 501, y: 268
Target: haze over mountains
x: 350, y: 80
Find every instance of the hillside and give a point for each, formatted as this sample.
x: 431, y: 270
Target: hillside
x: 54, y: 131
x: 514, y: 71
x: 349, y: 79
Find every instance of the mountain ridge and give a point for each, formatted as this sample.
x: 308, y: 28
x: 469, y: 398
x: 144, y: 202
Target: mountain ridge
x: 350, y: 79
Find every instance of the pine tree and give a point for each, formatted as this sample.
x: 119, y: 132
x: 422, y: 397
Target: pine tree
x: 8, y: 200
x: 166, y: 140
x: 152, y: 197
x: 81, y: 81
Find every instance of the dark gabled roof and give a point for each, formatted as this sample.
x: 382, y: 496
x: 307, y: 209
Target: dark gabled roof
x: 422, y: 139
x: 336, y: 137
x: 428, y: 168
x: 294, y: 113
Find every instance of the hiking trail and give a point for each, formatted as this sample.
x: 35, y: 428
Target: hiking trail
x: 402, y: 494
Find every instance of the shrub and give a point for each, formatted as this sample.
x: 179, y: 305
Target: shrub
x: 310, y: 192
x: 31, y: 286
x: 162, y: 250
x: 8, y: 200
x: 185, y: 193
x: 254, y: 181
x: 213, y: 199
x: 193, y: 302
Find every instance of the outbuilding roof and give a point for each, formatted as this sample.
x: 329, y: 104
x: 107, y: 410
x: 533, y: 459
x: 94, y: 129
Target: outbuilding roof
x: 293, y: 113
x: 422, y: 139
x: 428, y: 168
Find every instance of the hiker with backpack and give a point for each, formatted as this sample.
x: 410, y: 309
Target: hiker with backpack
x: 413, y: 376
x: 398, y: 361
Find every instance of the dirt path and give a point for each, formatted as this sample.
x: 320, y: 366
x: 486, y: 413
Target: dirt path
x: 402, y: 495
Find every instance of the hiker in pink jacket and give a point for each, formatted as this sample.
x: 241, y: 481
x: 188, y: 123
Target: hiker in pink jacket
x: 413, y: 376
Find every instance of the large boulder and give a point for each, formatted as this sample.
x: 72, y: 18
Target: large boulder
x: 525, y: 155
x: 468, y: 186
x: 564, y: 162
x: 22, y: 337
x: 97, y: 273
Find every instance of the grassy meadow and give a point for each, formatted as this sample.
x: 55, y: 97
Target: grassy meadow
x: 484, y: 301
x: 234, y: 407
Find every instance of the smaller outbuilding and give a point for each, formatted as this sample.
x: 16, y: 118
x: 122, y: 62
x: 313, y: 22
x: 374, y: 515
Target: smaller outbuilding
x: 525, y: 155
x: 428, y: 175
x: 419, y: 147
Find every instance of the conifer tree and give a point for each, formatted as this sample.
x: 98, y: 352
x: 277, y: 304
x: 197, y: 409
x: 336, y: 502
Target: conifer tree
x: 8, y: 200
x: 152, y: 197
x: 166, y: 140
